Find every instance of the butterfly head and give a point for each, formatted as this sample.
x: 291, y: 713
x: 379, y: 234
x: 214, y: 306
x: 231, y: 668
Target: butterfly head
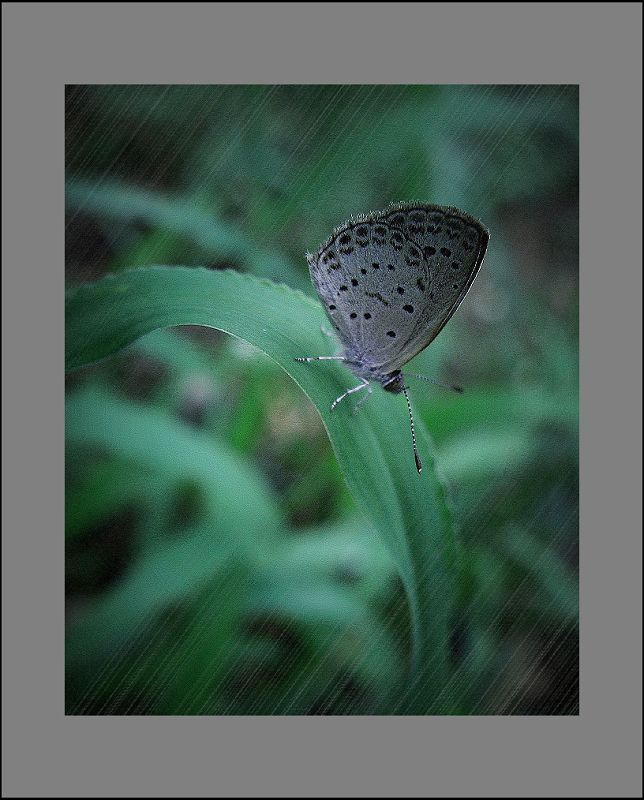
x: 393, y: 382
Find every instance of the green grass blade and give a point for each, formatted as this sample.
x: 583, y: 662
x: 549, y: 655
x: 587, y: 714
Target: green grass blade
x: 373, y: 447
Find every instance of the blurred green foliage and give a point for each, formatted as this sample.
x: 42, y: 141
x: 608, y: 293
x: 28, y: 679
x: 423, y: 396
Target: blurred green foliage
x: 217, y: 561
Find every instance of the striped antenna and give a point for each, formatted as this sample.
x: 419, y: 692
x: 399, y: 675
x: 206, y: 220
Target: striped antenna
x: 419, y: 466
x: 458, y: 389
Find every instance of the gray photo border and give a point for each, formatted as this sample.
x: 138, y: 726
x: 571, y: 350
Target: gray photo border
x: 596, y: 45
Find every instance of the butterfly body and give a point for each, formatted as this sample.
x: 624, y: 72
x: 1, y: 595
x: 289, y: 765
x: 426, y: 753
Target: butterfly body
x: 390, y: 381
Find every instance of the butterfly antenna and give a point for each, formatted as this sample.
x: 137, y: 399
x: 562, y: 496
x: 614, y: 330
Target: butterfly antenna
x: 449, y: 386
x: 419, y: 466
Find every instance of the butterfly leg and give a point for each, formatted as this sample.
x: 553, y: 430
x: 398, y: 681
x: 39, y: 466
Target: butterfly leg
x: 319, y: 358
x: 363, y: 385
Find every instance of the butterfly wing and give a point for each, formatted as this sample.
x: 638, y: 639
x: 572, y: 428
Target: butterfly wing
x: 453, y: 245
x: 391, y: 280
x: 371, y: 279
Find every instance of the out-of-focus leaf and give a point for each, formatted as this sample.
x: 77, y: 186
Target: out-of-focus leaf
x: 181, y: 216
x: 159, y: 442
x: 105, y: 490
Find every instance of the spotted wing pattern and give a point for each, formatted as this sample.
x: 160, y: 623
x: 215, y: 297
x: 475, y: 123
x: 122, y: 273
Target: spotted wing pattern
x: 390, y: 281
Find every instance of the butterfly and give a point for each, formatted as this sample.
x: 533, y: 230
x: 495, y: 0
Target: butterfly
x: 389, y: 282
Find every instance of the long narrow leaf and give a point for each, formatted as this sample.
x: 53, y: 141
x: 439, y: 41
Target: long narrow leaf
x: 373, y: 447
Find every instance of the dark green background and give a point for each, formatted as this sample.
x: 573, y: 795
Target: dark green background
x: 178, y: 601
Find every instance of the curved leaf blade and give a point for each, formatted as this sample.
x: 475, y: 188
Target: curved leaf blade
x: 373, y: 447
